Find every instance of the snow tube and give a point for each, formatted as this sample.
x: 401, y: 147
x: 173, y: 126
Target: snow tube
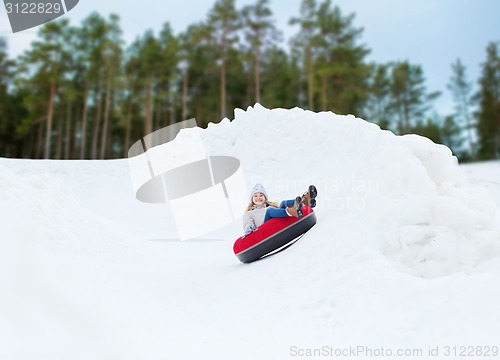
x: 272, y: 235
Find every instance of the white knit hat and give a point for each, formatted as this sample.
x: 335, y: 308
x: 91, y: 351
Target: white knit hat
x: 258, y: 188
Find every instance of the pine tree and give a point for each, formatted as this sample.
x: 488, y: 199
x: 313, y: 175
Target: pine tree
x: 200, y: 71
x: 223, y: 23
x: 461, y: 90
x: 304, y: 43
x: 341, y: 66
x: 148, y: 53
x: 112, y: 56
x: 280, y: 85
x: 49, y: 58
x: 409, y: 98
x: 7, y: 121
x: 451, y: 135
x: 332, y: 58
x: 170, y: 55
x: 5, y: 70
x: 91, y: 45
x: 489, y: 105
x: 260, y: 33
x: 378, y: 105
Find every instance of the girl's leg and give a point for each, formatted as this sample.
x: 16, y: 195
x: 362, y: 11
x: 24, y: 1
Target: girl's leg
x: 281, y: 212
x: 287, y: 203
x: 272, y: 212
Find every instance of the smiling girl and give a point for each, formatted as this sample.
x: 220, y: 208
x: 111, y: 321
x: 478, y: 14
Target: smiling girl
x: 261, y: 209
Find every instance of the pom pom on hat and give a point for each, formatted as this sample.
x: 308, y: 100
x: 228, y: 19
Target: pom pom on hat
x: 258, y: 188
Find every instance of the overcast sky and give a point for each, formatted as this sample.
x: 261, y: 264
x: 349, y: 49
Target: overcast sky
x: 430, y: 33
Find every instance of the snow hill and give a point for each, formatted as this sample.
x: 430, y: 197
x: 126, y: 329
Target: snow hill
x: 405, y: 254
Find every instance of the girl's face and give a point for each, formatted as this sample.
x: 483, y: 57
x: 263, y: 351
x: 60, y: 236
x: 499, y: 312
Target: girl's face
x: 258, y: 198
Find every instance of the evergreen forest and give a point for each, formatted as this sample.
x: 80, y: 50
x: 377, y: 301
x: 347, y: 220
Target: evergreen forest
x: 81, y: 92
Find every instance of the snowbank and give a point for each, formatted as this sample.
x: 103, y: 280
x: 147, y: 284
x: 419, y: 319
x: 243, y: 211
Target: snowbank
x: 411, y: 193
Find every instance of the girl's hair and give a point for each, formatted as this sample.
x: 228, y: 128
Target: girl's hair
x: 267, y: 202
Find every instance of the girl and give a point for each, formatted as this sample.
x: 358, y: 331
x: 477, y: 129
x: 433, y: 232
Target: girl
x: 261, y: 209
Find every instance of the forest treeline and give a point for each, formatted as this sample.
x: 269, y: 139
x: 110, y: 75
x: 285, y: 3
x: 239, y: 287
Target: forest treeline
x: 79, y: 92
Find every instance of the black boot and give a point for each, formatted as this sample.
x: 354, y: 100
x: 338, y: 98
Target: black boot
x: 296, y: 208
x: 309, y: 197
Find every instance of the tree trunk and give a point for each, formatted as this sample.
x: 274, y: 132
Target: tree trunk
x: 250, y: 85
x: 109, y: 147
x: 29, y: 150
x: 83, y: 142
x: 468, y: 124
x: 148, y: 123
x: 39, y: 145
x: 60, y: 122
x: 223, y: 89
x: 168, y: 103
x: 97, y: 122
x: 173, y: 109
x: 157, y: 101
x: 310, y: 77
x: 257, y: 74
x: 50, y: 114
x: 407, y: 120
x: 104, y: 135
x: 185, y: 82
x: 223, y: 76
x: 67, y: 142
x: 128, y: 125
x: 323, y: 93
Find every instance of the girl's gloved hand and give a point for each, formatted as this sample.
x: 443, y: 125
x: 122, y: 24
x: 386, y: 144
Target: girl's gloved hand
x: 250, y: 227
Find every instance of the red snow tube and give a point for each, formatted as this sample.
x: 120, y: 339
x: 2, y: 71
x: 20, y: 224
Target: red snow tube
x: 272, y: 235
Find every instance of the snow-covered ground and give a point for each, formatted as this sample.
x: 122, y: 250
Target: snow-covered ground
x: 405, y: 255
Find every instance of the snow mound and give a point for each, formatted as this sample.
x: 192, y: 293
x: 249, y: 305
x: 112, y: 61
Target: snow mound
x: 408, y: 192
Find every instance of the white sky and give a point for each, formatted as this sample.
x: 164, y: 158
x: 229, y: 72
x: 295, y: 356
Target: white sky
x: 430, y: 33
